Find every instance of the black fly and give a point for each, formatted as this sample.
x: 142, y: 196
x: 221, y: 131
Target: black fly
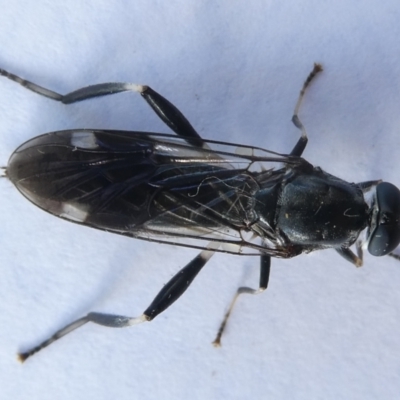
x: 204, y: 194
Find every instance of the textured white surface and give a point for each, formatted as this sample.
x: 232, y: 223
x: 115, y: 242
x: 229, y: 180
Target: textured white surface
x: 323, y: 330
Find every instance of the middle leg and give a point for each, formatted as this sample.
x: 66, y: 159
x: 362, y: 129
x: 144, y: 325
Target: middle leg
x: 265, y: 267
x: 302, y: 142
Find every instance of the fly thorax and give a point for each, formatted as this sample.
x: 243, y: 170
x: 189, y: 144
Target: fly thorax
x: 321, y: 210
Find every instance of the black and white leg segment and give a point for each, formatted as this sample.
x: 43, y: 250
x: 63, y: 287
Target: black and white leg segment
x: 302, y: 142
x: 172, y: 117
x: 165, y: 110
x: 168, y: 295
x: 265, y: 268
x: 178, y: 284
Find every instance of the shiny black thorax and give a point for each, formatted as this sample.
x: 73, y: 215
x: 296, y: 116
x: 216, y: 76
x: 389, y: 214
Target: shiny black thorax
x: 312, y: 209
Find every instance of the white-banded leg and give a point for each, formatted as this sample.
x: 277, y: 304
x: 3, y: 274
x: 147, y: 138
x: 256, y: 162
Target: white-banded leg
x: 265, y: 267
x: 302, y: 142
x: 167, y: 296
x: 166, y: 111
x: 265, y: 261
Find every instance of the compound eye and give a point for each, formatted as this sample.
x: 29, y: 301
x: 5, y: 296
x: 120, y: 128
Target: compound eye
x: 386, y: 236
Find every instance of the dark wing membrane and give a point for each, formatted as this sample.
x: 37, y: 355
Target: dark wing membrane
x: 145, y: 185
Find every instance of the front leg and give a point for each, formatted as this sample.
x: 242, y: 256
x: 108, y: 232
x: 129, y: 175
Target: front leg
x: 348, y: 255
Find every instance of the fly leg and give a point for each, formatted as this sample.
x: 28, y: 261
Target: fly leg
x: 348, y: 255
x: 302, y: 142
x: 265, y: 266
x: 165, y: 110
x: 168, y: 295
x: 265, y: 261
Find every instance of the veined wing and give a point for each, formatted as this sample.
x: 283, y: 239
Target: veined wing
x: 147, y: 185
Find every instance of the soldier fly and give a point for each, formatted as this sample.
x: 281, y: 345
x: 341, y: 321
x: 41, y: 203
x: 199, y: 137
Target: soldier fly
x: 204, y: 194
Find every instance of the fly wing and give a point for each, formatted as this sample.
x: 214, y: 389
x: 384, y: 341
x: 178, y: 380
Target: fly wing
x: 144, y: 185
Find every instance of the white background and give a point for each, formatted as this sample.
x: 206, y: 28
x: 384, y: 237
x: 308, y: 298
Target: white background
x: 324, y: 329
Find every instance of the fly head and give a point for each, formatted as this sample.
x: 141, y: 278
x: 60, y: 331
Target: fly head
x: 384, y: 234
